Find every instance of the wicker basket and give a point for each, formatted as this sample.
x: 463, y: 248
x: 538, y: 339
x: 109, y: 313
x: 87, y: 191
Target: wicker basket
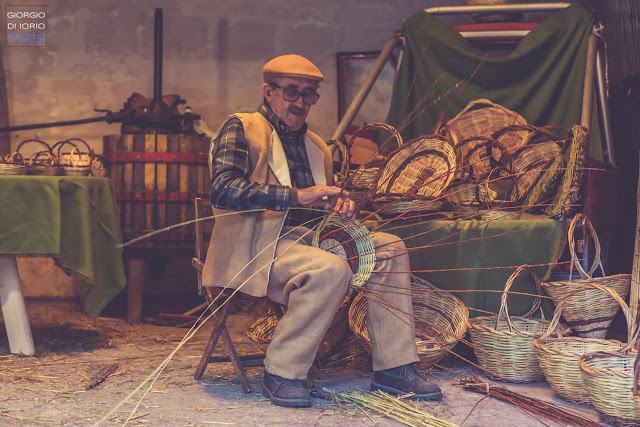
x: 609, y: 379
x: 43, y: 163
x: 590, y: 313
x: 12, y: 165
x: 423, y: 167
x: 393, y: 207
x: 558, y: 357
x: 503, y: 344
x: 440, y: 319
x: 351, y: 241
x: 74, y: 162
x: 263, y: 328
x: 478, y: 121
x: 501, y: 208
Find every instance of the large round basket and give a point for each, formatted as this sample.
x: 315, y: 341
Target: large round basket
x: 558, y: 357
x: 263, y: 328
x: 423, y: 167
x: 351, y: 241
x: 440, y: 320
x: 589, y: 313
x: 479, y: 120
x: 503, y: 344
x: 609, y: 379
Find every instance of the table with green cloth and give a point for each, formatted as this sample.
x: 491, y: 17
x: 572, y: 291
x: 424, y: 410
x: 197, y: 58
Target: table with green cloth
x: 474, y: 258
x: 72, y: 219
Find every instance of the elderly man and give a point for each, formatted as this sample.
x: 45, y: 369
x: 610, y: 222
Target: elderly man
x: 275, y: 176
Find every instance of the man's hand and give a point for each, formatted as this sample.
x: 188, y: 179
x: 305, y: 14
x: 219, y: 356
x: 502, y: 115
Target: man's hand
x: 328, y: 196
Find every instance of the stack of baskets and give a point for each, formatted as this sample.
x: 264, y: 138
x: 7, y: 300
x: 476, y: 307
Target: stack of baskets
x: 46, y: 161
x: 503, y: 344
x: 591, y: 312
x: 440, y: 321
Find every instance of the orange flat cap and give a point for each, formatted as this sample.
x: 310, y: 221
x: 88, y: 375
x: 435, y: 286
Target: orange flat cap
x: 291, y: 66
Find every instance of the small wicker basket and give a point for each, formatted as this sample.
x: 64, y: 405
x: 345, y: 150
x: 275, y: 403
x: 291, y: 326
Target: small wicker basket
x: 13, y: 164
x: 591, y: 312
x: 440, y: 319
x: 609, y: 379
x: 558, y: 357
x: 43, y: 163
x: 503, y: 344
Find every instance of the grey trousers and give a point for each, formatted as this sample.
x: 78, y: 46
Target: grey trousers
x: 313, y: 282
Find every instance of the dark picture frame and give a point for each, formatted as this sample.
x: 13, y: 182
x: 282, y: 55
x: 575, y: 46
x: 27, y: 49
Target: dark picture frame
x: 353, y: 68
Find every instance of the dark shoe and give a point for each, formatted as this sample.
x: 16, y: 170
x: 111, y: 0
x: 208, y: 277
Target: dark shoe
x: 405, y: 379
x: 285, y: 392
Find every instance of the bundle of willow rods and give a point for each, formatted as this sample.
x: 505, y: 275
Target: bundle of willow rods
x: 392, y: 407
x: 553, y: 411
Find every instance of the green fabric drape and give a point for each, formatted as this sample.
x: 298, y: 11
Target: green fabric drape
x: 542, y: 79
x: 73, y: 220
x: 475, y: 256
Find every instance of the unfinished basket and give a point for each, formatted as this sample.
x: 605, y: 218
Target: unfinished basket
x: 558, y: 357
x: 351, y: 241
x: 440, y: 320
x: 591, y: 312
x: 503, y: 344
x: 423, y: 167
x: 262, y: 329
x: 609, y: 379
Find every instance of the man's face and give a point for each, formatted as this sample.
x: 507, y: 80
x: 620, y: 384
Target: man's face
x: 294, y: 113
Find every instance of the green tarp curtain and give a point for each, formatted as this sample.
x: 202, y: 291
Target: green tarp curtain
x: 542, y: 79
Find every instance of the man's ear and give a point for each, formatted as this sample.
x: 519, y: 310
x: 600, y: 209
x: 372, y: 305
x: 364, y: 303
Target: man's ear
x: 266, y: 91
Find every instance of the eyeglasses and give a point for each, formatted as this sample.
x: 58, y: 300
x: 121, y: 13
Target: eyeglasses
x: 290, y: 94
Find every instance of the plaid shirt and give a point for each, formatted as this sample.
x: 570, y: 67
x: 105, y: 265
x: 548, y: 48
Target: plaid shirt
x: 230, y: 185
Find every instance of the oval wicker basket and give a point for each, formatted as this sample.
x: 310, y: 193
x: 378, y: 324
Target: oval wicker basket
x: 440, y: 320
x: 479, y: 120
x: 590, y: 313
x: 423, y: 167
x: 263, y: 328
x: 503, y: 344
x: 351, y: 241
x: 609, y: 379
x: 558, y: 357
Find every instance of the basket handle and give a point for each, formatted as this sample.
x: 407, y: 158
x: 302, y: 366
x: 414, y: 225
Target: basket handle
x: 26, y: 141
x: 46, y: 153
x: 504, y: 309
x: 597, y: 262
x: 11, y: 158
x: 625, y: 310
